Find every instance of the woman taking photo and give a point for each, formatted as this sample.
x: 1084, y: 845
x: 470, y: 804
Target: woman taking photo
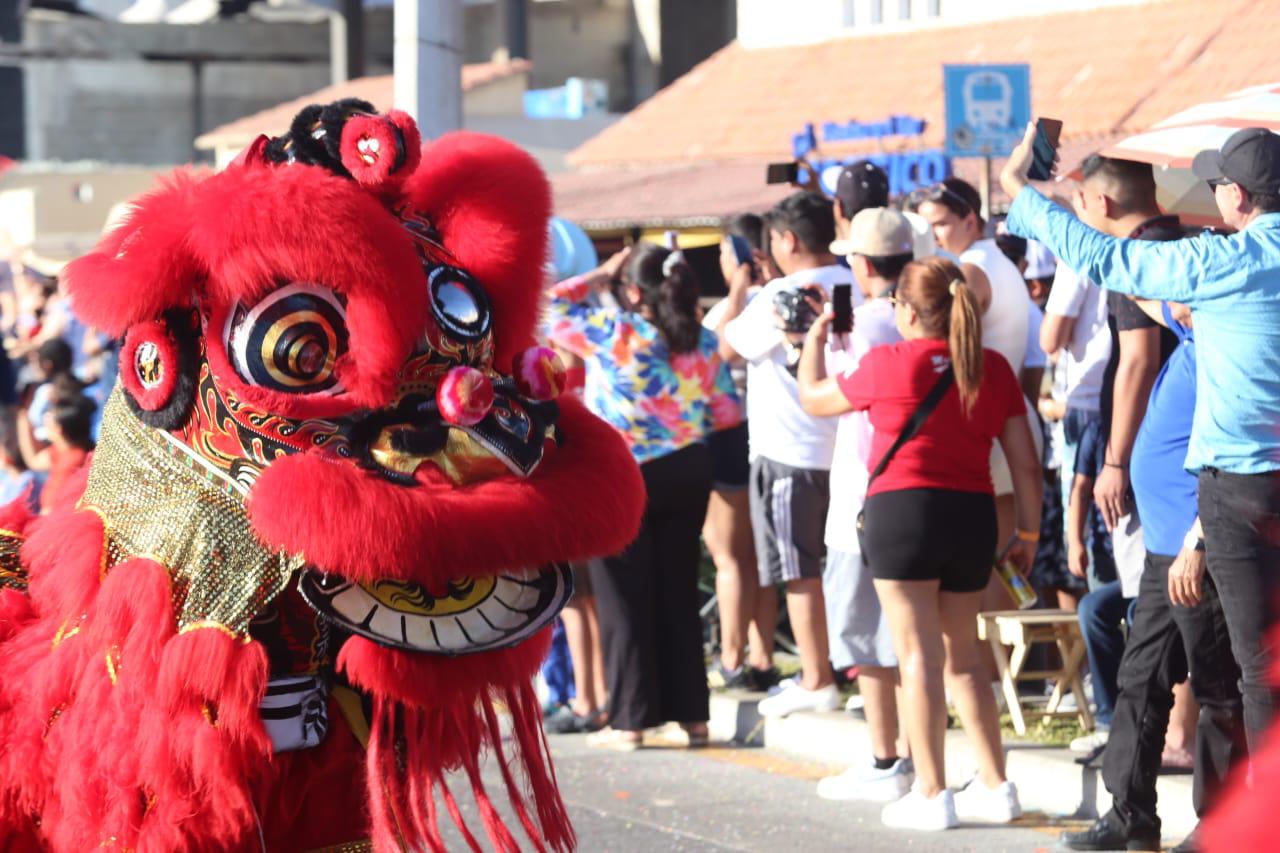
x: 656, y: 375
x: 929, y: 524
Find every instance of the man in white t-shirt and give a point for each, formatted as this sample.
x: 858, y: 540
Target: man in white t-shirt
x: 790, y: 449
x: 1075, y: 324
x: 954, y: 209
x: 880, y: 244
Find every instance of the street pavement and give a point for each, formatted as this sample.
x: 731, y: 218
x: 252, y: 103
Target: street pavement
x: 737, y: 799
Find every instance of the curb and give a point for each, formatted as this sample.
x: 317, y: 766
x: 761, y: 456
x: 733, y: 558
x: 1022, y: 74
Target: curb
x: 1048, y: 778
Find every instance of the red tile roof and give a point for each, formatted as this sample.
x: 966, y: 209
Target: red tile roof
x: 376, y: 90
x: 1100, y: 70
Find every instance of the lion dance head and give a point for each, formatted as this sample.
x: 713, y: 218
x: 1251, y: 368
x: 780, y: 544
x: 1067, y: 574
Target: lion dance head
x: 328, y: 518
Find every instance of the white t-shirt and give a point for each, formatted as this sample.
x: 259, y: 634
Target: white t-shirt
x: 1090, y: 346
x: 873, y: 326
x: 778, y: 428
x: 1004, y: 325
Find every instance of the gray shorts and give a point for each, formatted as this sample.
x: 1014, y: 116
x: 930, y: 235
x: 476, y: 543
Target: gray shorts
x: 857, y: 630
x: 789, y: 520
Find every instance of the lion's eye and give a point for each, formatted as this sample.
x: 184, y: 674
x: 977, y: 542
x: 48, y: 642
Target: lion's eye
x: 458, y: 303
x: 289, y: 341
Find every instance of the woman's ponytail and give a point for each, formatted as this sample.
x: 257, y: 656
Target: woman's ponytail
x: 964, y: 339
x: 669, y: 288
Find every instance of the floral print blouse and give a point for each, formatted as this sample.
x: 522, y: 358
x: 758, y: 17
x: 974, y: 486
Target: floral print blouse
x: 659, y: 402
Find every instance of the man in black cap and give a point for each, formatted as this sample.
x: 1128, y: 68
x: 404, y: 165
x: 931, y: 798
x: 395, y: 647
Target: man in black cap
x: 861, y: 185
x: 1232, y: 285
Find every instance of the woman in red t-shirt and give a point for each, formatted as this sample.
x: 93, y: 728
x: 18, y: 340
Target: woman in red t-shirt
x: 930, y: 526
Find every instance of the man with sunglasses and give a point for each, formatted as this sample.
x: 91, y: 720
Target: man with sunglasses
x: 1232, y: 285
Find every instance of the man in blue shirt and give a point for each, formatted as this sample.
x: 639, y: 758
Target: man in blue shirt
x: 1177, y: 624
x: 1232, y: 285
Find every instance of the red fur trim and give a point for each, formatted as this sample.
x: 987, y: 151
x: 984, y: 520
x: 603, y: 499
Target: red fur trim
x: 157, y: 334
x: 17, y: 514
x: 585, y: 500
x: 141, y: 267
x: 499, y: 234
x: 434, y: 715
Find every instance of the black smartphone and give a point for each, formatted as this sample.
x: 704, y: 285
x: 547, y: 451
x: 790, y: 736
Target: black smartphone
x: 842, y: 307
x: 741, y: 249
x: 782, y: 173
x: 1044, y: 149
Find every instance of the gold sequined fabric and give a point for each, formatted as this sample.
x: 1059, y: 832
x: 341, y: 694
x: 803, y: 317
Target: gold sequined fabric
x: 157, y: 500
x: 349, y: 847
x: 12, y: 575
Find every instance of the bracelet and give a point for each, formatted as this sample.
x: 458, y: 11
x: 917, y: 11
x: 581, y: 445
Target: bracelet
x: 1027, y: 536
x: 1114, y: 465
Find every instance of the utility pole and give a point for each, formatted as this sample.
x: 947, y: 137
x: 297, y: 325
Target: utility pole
x: 428, y: 63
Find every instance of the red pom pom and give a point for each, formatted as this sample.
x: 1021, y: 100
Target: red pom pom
x: 539, y: 373
x: 373, y: 148
x: 465, y: 396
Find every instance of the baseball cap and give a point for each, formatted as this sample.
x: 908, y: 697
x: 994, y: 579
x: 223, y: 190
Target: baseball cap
x: 879, y: 232
x: 1249, y: 157
x: 862, y: 184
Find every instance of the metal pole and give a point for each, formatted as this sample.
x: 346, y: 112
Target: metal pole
x: 428, y: 63
x: 985, y: 189
x: 517, y: 29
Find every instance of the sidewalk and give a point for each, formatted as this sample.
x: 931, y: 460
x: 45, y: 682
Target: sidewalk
x: 1048, y: 778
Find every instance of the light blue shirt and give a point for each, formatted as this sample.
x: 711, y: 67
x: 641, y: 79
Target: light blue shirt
x: 1233, y: 286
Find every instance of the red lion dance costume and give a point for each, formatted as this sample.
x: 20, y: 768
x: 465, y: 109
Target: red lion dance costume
x: 327, y: 518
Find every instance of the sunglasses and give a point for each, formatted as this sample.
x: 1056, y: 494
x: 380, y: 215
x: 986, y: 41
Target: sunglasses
x: 1214, y: 183
x: 939, y: 192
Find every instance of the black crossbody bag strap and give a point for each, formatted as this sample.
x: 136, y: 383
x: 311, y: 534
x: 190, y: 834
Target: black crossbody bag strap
x: 921, y: 414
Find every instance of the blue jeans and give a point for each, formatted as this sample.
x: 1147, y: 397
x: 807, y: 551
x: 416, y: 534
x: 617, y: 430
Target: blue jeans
x: 1101, y: 614
x: 1082, y: 454
x: 557, y: 669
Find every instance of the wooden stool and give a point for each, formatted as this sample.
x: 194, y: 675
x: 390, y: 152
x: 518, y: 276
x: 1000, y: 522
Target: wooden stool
x: 1021, y: 629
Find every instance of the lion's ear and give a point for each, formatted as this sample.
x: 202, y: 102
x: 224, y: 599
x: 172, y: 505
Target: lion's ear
x: 490, y: 202
x: 143, y: 266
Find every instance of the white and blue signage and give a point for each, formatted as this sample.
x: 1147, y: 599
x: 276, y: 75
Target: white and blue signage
x: 987, y: 107
x: 907, y: 170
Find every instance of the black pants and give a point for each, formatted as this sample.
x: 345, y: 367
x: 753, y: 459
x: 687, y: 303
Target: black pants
x: 1240, y: 514
x: 647, y: 598
x: 1164, y: 641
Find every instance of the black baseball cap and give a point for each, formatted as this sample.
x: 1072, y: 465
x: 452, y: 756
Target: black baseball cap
x: 862, y: 184
x: 1249, y: 157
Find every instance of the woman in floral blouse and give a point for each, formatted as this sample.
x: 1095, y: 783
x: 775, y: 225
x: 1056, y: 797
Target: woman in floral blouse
x: 653, y: 373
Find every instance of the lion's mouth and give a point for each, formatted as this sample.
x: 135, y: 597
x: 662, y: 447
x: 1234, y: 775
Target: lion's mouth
x: 473, y: 614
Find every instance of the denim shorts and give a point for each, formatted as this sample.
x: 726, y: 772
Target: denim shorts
x: 1083, y: 431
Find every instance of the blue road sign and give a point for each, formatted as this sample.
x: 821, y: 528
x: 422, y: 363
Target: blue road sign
x: 987, y: 106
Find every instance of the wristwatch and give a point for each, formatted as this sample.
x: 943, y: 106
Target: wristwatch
x: 1192, y: 542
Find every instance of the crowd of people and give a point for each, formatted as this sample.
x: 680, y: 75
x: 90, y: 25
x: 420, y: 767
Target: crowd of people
x: 1028, y: 391
x: 55, y: 374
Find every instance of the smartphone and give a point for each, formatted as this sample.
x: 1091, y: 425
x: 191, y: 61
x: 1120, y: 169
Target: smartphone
x: 842, y: 306
x: 1045, y: 147
x: 741, y: 249
x: 782, y: 173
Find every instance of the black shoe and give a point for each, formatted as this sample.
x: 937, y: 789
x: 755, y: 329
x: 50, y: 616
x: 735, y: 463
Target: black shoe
x: 1108, y: 833
x: 763, y: 679
x: 718, y: 677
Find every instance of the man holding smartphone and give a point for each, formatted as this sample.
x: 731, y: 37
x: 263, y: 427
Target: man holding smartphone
x: 1232, y: 285
x: 879, y: 244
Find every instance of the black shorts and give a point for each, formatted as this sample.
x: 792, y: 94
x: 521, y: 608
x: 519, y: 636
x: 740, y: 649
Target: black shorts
x: 931, y: 534
x: 730, y: 463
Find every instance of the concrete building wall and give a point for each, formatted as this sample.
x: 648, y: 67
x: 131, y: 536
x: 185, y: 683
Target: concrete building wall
x: 139, y: 93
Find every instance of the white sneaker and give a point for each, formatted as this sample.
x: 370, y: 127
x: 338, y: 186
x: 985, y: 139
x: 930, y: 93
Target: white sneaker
x: 980, y: 804
x: 916, y: 811
x: 867, y: 782
x: 793, y: 697
x: 1088, y: 743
